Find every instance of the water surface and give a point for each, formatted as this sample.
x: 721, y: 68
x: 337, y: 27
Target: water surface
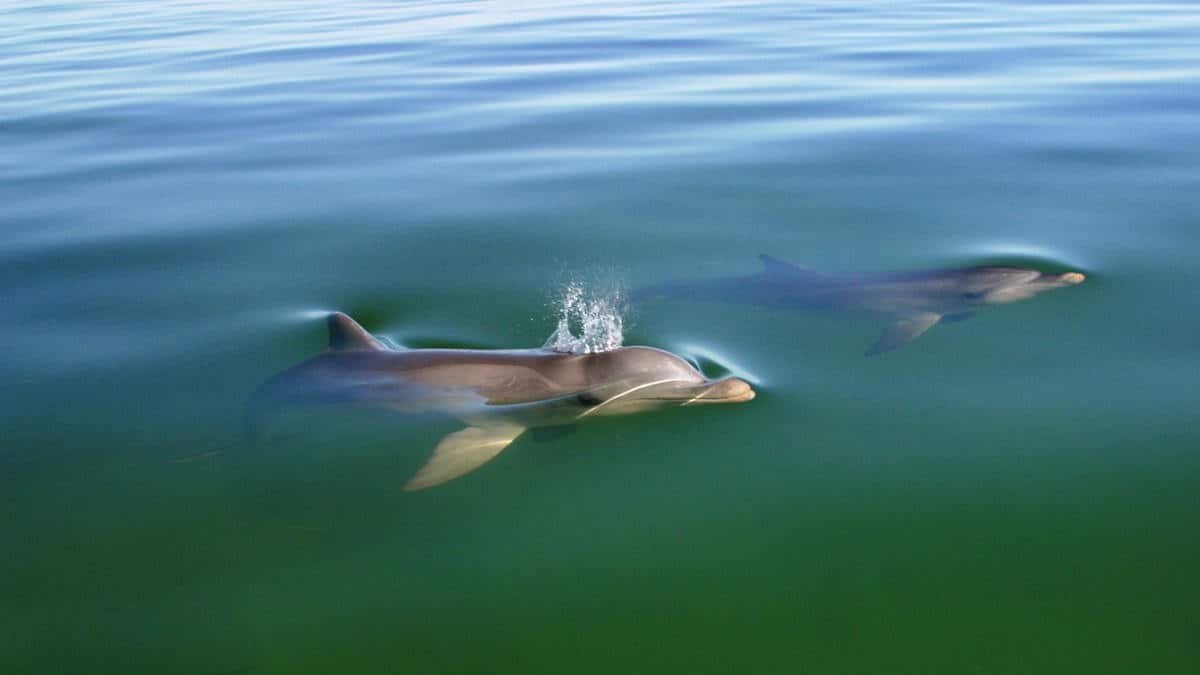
x: 185, y: 187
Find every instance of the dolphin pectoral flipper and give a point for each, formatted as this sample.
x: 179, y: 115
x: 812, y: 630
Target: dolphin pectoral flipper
x: 462, y: 452
x: 906, y: 329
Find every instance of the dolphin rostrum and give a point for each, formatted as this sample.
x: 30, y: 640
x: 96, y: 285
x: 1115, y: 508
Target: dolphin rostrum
x: 915, y: 300
x: 497, y: 393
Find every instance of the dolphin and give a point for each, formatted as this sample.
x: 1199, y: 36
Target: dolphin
x: 915, y: 301
x: 497, y: 393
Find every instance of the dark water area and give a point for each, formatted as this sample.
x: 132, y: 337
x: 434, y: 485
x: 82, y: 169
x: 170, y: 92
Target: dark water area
x: 187, y: 188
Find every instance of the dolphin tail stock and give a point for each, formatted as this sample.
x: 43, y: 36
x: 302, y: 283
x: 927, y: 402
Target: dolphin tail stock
x: 904, y: 330
x: 252, y: 424
x: 259, y: 409
x: 464, y: 451
x: 295, y: 386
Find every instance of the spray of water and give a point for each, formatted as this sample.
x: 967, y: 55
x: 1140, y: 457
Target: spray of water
x: 589, y: 319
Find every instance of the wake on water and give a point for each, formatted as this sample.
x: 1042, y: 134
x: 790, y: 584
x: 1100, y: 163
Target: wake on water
x: 597, y: 315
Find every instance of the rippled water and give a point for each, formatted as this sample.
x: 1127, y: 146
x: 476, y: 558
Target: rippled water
x: 186, y: 188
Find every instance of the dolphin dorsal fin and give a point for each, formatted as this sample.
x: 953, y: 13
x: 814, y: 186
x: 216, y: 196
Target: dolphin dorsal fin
x: 773, y: 265
x: 346, y: 334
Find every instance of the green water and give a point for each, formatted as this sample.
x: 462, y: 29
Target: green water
x: 185, y: 188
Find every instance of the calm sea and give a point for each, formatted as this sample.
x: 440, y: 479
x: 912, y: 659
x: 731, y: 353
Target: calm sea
x: 185, y: 187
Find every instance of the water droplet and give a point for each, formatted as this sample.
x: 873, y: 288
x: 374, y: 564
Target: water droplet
x: 589, y: 321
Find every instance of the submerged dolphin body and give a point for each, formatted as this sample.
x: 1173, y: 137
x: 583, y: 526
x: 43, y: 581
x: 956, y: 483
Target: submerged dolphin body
x: 916, y: 300
x: 498, y: 393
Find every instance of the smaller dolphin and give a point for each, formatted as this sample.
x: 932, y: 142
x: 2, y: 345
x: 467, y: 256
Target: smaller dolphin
x: 498, y: 393
x: 915, y: 300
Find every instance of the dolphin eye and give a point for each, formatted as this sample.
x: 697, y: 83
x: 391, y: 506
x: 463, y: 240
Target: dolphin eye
x: 974, y: 296
x: 587, y: 399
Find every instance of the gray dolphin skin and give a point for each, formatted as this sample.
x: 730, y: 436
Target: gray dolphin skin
x: 497, y: 393
x: 916, y: 301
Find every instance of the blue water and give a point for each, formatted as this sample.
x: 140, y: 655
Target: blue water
x: 186, y: 187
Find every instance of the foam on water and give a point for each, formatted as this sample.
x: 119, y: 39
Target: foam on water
x: 590, y: 319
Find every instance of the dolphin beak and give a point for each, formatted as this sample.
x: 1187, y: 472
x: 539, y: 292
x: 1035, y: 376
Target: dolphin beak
x: 725, y: 390
x: 1071, y: 278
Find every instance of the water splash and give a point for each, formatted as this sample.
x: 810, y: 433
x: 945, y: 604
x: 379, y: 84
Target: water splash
x: 589, y: 320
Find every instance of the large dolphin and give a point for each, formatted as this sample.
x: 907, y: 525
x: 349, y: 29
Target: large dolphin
x: 916, y: 301
x: 497, y: 393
